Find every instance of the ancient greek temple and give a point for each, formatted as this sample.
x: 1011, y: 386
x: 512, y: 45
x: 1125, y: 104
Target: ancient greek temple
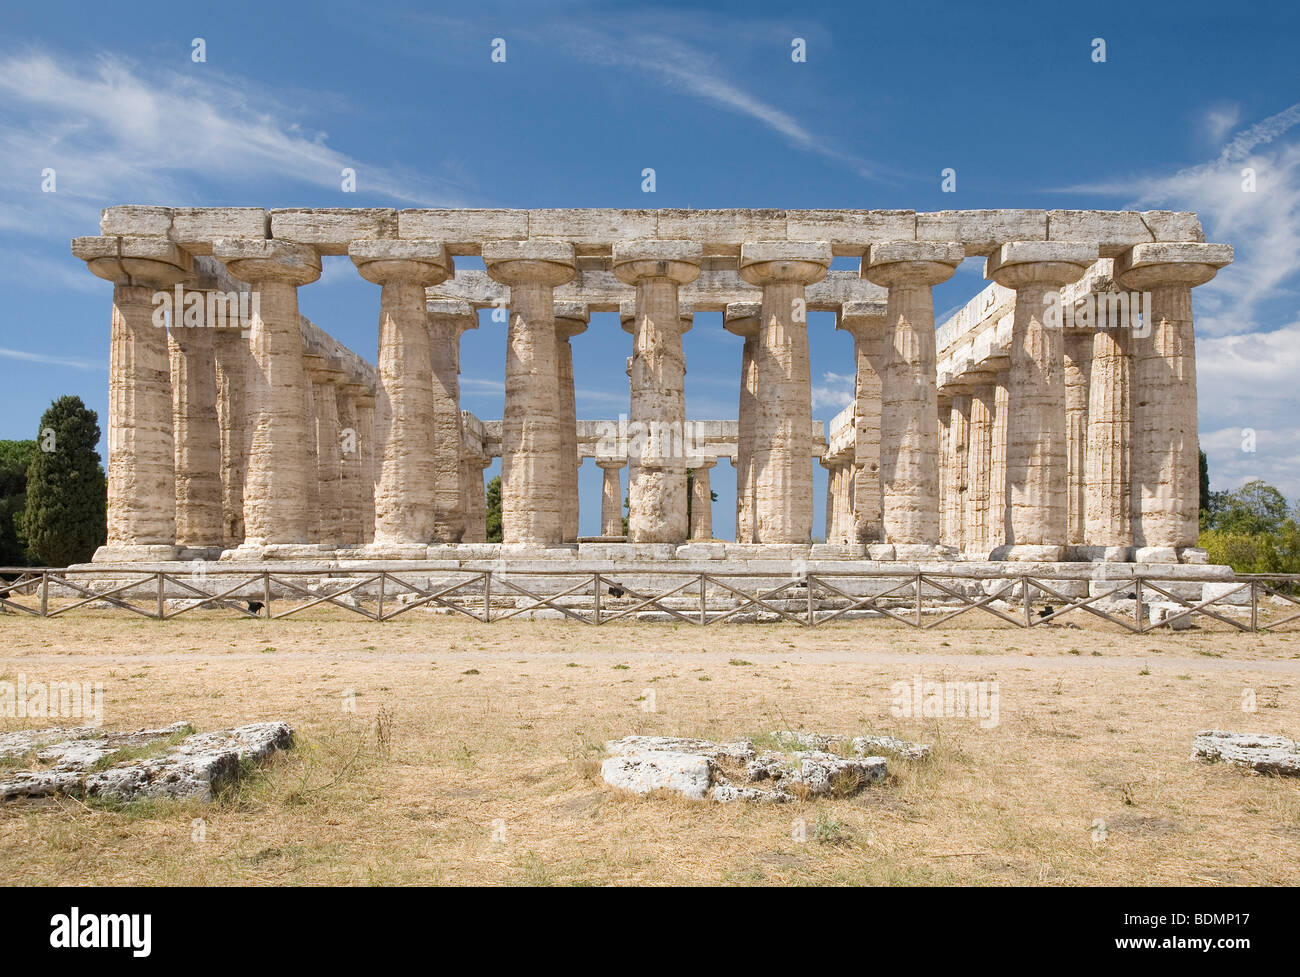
x: 1052, y: 419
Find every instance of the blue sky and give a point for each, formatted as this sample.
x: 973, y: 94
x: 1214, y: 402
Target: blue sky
x: 592, y: 93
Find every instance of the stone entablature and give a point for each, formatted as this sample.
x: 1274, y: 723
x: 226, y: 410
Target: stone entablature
x: 925, y: 461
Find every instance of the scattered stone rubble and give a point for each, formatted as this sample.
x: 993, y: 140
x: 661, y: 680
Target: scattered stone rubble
x: 802, y: 764
x: 1261, y: 752
x: 71, y: 761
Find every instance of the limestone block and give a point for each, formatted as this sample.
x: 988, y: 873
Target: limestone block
x: 135, y: 220
x: 1235, y: 594
x: 650, y: 770
x: 197, y: 228
x: 587, y: 227
x: 851, y: 232
x: 331, y: 230
x: 1260, y: 752
x: 465, y: 231
x: 982, y: 231
x: 722, y: 231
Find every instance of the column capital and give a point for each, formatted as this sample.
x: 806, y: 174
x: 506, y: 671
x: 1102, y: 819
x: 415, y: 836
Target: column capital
x: 609, y: 464
x: 324, y: 369
x: 1053, y: 264
x: 537, y: 261
x: 857, y: 318
x: 411, y: 262
x: 153, y: 262
x: 914, y: 263
x: 254, y: 260
x: 743, y: 319
x: 627, y: 316
x: 701, y: 463
x: 793, y: 262
x: 571, y: 318
x: 678, y: 261
x: 462, y: 313
x: 1145, y: 266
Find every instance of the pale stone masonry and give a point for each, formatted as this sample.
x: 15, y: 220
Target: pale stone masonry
x: 1002, y: 434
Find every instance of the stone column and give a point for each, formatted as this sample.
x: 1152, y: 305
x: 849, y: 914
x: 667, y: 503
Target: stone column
x: 611, y: 499
x: 311, y: 483
x: 407, y: 493
x: 701, y: 499
x: 783, y: 449
x: 234, y: 362
x: 657, y: 481
x: 998, y: 514
x: 1078, y: 370
x: 369, y: 463
x: 476, y: 501
x: 326, y: 377
x: 742, y: 319
x: 350, y: 474
x: 1109, y: 494
x: 276, y: 478
x: 197, y: 437
x: 141, y: 447
x: 869, y: 329
x: 1037, y: 472
x: 832, y: 499
x: 979, y: 466
x: 571, y: 319
x: 945, y: 468
x: 1164, y: 444
x: 958, y: 454
x: 448, y: 321
x: 909, y: 409
x: 530, y: 432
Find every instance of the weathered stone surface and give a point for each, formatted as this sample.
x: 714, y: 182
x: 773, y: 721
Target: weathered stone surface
x: 821, y: 773
x: 689, y: 774
x: 866, y: 745
x: 1261, y: 752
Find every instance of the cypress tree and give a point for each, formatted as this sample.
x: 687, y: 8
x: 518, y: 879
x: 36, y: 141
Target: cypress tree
x: 67, y: 495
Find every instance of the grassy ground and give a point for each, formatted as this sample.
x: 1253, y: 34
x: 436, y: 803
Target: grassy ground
x: 472, y: 754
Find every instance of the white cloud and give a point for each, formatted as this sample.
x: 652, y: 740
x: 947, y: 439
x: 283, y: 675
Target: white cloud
x: 835, y: 391
x: 18, y: 354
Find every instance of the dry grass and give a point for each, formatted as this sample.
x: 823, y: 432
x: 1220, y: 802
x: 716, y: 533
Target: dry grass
x: 472, y: 755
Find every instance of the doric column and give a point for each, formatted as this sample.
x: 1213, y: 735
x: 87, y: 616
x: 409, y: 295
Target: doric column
x: 276, y: 478
x: 476, y: 501
x: 350, y: 476
x: 783, y: 450
x: 311, y: 484
x: 701, y: 498
x: 1109, y: 493
x: 1078, y: 371
x: 407, y: 493
x: 234, y: 362
x: 979, y: 465
x: 369, y: 463
x: 657, y: 481
x: 141, y: 447
x: 945, y: 467
x: 448, y: 321
x: 1037, y: 472
x: 197, y: 435
x: 1164, y: 444
x: 831, y: 498
x: 571, y: 318
x: 998, y: 502
x: 530, y: 432
x: 870, y: 333
x: 326, y: 377
x: 742, y: 319
x: 611, y: 498
x: 909, y: 408
x: 958, y: 454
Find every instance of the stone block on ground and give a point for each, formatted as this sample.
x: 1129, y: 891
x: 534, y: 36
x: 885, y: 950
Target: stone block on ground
x: 1261, y: 752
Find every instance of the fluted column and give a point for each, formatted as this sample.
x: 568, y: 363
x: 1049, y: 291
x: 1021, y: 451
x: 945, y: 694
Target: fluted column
x: 945, y: 468
x: 958, y: 455
x: 448, y: 321
x: 369, y: 463
x: 1037, y: 472
x: 909, y: 410
x: 782, y: 451
x: 831, y: 499
x: 530, y: 432
x: 742, y: 319
x: 611, y: 498
x: 701, y: 499
x: 234, y: 362
x: 1109, y: 493
x: 870, y: 333
x: 1078, y: 371
x: 326, y: 377
x: 406, y: 496
x: 998, y: 509
x: 350, y: 474
x: 571, y: 319
x: 476, y: 501
x: 1164, y: 444
x: 141, y: 446
x: 276, y: 478
x: 197, y: 435
x: 979, y: 466
x: 657, y: 482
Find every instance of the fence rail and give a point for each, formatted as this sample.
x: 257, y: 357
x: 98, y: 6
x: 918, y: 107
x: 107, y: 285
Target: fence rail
x: 691, y: 597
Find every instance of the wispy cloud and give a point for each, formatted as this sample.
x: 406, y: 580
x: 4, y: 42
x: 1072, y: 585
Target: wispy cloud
x: 68, y: 361
x: 835, y: 391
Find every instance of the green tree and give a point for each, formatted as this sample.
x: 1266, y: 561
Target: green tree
x: 494, y: 510
x: 67, y: 497
x: 1204, y: 501
x: 15, y: 457
x: 1252, y: 529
